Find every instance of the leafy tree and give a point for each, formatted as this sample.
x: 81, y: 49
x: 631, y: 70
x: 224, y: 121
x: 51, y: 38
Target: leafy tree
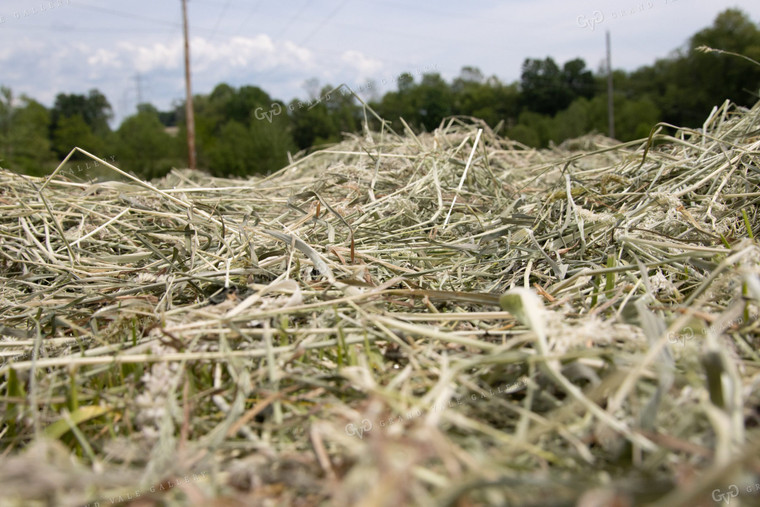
x: 6, y: 120
x: 421, y: 105
x: 325, y: 119
x: 32, y: 152
x: 432, y: 99
x: 470, y: 74
x: 524, y: 134
x: 312, y: 125
x: 395, y: 105
x: 578, y: 80
x: 487, y: 99
x: 724, y: 76
x: 686, y: 85
x: 231, y: 153
x: 547, y: 89
x: 241, y: 151
x: 542, y: 87
x: 271, y: 144
x: 635, y: 118
x: 225, y: 103
x: 532, y: 128
x: 343, y: 109
x: 24, y: 143
x: 575, y: 121
x: 73, y: 131
x: 94, y: 109
x: 143, y: 146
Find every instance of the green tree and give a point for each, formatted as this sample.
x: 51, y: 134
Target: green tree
x: 722, y: 76
x: 83, y: 115
x: 686, y: 85
x: 73, y: 131
x: 325, y: 119
x: 635, y: 118
x: 258, y: 149
x: 239, y: 131
x: 532, y: 128
x: 270, y: 144
x: 422, y: 105
x: 94, y: 109
x: 432, y: 100
x: 231, y: 153
x: 487, y: 99
x: 578, y: 80
x: 143, y: 146
x: 395, y: 105
x: 24, y: 143
x: 6, y: 120
x: 542, y: 87
x: 32, y: 152
x: 547, y: 89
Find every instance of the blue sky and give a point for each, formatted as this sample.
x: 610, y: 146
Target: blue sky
x: 130, y: 48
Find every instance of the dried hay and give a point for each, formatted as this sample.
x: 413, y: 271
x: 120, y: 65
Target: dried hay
x: 443, y: 319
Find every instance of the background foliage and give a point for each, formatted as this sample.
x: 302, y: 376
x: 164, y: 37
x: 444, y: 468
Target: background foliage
x: 245, y: 131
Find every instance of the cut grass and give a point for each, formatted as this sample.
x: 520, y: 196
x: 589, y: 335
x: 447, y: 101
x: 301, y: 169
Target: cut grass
x: 332, y: 333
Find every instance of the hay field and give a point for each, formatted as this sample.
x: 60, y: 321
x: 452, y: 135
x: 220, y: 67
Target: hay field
x: 440, y: 319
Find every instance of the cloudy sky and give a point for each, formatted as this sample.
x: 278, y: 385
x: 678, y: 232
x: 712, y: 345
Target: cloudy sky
x: 133, y: 50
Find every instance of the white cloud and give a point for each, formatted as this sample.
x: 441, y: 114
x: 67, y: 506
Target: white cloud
x: 300, y: 54
x: 104, y: 58
x: 258, y: 53
x: 365, y: 66
x: 155, y: 56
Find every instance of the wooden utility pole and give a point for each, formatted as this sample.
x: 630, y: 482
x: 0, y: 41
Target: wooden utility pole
x: 189, y: 116
x: 610, y: 109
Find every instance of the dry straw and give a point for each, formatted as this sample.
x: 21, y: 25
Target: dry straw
x: 338, y: 332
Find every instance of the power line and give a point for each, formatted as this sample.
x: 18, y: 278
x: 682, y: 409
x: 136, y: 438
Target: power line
x: 219, y: 19
x: 127, y: 15
x: 324, y: 21
x: 292, y: 19
x: 248, y: 18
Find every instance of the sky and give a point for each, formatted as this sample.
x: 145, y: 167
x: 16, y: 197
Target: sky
x: 132, y: 51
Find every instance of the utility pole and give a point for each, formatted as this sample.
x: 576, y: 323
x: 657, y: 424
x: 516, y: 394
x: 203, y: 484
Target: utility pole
x: 610, y: 109
x: 189, y: 116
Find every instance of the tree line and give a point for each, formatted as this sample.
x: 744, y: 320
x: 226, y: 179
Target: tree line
x: 243, y: 131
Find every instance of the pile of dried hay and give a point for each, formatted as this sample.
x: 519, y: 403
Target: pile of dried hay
x: 339, y: 332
